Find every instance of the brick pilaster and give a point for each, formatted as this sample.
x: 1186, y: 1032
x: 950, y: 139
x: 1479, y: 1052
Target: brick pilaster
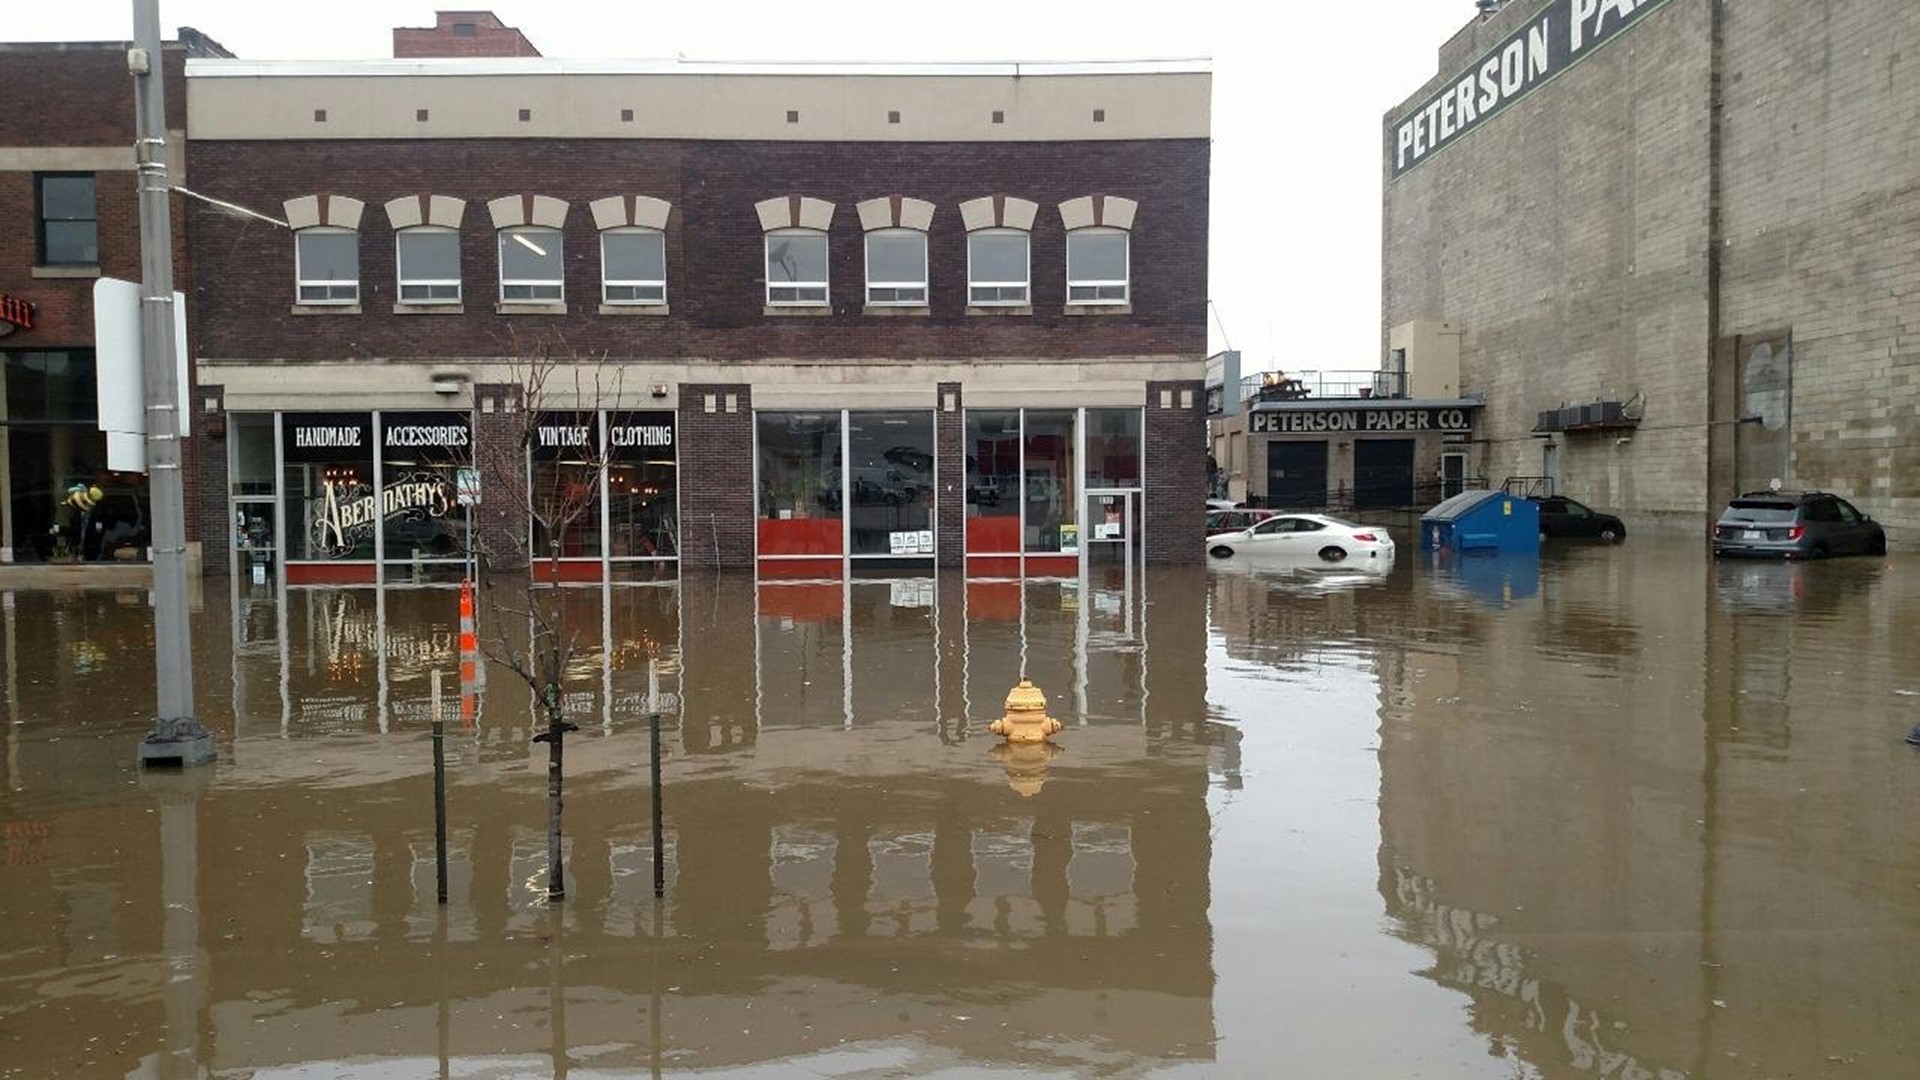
x: 717, y: 503
x: 1176, y: 467
x: 208, y: 520
x: 501, y: 520
x: 950, y: 457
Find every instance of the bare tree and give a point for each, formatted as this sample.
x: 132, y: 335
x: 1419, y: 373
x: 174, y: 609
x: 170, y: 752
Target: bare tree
x: 553, y: 469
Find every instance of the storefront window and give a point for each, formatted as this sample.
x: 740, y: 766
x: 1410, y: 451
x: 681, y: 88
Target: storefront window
x: 251, y: 469
x: 421, y: 454
x: 800, y: 501
x: 565, y: 498
x: 642, y: 502
x: 1113, y: 448
x: 1050, y: 490
x: 327, y: 491
x: 993, y: 480
x: 65, y: 504
x: 891, y: 509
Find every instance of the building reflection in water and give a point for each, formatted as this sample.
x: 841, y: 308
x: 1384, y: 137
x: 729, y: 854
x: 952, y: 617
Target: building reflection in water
x: 846, y: 863
x: 1649, y: 820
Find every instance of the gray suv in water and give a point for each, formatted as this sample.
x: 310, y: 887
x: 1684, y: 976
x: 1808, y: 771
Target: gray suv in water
x: 1796, y: 525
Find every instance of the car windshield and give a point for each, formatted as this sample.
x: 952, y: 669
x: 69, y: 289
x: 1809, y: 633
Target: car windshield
x: 1746, y: 510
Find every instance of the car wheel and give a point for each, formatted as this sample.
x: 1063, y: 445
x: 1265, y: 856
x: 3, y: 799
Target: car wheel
x: 1878, y: 545
x: 1220, y: 551
x: 1819, y: 552
x: 1330, y: 553
x: 1610, y: 535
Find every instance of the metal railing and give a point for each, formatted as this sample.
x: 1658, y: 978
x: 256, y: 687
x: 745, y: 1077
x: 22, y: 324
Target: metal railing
x: 1379, y: 496
x: 1316, y: 385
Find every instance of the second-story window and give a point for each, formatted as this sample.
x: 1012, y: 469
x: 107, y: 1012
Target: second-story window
x: 530, y: 265
x: 897, y: 267
x: 1097, y: 270
x: 327, y: 265
x: 429, y: 265
x: 997, y: 267
x: 633, y: 266
x: 69, y: 220
x: 796, y: 267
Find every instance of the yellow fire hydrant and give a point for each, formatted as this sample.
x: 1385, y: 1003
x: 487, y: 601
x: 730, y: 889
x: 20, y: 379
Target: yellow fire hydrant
x: 1026, y: 720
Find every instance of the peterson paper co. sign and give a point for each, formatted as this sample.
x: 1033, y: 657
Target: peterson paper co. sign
x: 1356, y: 421
x: 1561, y: 35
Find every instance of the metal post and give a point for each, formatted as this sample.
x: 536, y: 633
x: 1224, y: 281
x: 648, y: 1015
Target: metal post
x: 439, y: 796
x: 177, y: 738
x: 653, y: 739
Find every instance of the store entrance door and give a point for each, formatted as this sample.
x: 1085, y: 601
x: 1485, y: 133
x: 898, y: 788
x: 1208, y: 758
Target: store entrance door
x: 1113, y: 526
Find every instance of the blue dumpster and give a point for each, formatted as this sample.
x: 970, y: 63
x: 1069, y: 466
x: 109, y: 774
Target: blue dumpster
x: 1482, y: 521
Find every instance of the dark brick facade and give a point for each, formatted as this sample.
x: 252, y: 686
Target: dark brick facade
x: 79, y: 96
x: 950, y: 457
x: 715, y: 256
x: 717, y: 511
x: 1176, y: 468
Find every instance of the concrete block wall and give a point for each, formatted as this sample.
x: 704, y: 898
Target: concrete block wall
x: 1568, y: 237
x: 1822, y: 223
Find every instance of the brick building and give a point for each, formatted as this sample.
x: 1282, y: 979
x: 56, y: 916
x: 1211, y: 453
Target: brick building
x: 1675, y: 241
x: 818, y: 320
x: 70, y: 208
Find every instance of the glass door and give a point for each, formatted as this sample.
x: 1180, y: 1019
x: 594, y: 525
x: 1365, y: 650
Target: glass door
x: 1112, y: 529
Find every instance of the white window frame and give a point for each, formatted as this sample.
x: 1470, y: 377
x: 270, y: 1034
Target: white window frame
x: 528, y: 231
x: 402, y: 282
x: 607, y: 283
x: 925, y: 264
x: 1025, y: 286
x: 300, y: 282
x: 1125, y: 283
x: 825, y: 285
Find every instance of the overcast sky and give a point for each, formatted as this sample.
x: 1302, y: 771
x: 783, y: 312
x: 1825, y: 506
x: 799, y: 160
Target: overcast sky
x: 1299, y: 88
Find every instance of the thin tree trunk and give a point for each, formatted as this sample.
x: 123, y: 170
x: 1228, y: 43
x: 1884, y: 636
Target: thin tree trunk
x: 556, y: 734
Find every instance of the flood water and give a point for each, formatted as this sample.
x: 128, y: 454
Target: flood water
x: 1618, y: 813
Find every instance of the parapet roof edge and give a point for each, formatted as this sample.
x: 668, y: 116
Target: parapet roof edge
x: 540, y: 65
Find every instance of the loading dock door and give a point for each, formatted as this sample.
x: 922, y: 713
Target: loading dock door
x: 1382, y: 473
x: 1297, y: 474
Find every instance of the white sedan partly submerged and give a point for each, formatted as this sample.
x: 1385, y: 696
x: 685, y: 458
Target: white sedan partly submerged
x: 1304, y: 538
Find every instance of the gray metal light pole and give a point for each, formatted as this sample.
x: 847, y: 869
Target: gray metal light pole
x: 177, y: 738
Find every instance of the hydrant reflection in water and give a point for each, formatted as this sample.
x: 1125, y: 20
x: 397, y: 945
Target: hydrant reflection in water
x: 1026, y: 765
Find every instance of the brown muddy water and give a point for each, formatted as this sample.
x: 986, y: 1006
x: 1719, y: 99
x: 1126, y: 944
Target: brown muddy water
x: 1621, y: 813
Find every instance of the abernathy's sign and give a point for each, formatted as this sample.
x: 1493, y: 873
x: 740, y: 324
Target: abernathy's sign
x: 347, y: 513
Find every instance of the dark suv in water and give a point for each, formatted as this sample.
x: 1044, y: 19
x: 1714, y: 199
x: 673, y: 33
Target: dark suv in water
x: 1796, y: 525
